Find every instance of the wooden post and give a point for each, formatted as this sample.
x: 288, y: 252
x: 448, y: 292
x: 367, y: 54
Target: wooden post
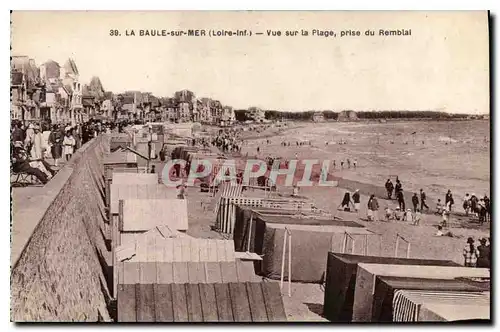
x: 283, y: 262
x: 290, y: 265
x: 408, y: 251
x: 250, y: 232
x: 344, y: 243
x: 397, y: 246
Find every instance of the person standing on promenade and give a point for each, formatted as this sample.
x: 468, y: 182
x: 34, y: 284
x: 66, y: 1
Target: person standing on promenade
x: 55, y: 141
x: 414, y: 200
x: 423, y: 197
x: 68, y: 143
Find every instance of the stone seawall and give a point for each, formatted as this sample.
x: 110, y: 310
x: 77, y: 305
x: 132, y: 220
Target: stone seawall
x: 59, y: 273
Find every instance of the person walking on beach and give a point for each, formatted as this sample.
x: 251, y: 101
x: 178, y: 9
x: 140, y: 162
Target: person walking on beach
x: 473, y: 204
x: 341, y: 164
x: 354, y: 163
x: 414, y: 200
x: 372, y: 208
x: 487, y: 205
x: 466, y: 204
x: 470, y: 254
x: 483, y: 259
x: 481, y: 210
x: 356, y: 200
x: 423, y: 197
x: 449, y: 200
x: 389, y: 187
x: 348, y: 163
x: 346, y: 201
x: 399, y: 187
x: 401, y: 200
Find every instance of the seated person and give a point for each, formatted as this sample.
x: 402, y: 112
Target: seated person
x: 398, y: 215
x: 22, y: 164
x: 389, y: 214
x: 441, y: 233
x: 445, y: 217
x: 408, y: 216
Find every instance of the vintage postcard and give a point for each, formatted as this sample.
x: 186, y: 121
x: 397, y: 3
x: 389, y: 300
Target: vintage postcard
x: 250, y: 166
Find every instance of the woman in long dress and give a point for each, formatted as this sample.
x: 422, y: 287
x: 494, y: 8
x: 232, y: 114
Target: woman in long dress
x: 69, y: 144
x: 55, y: 141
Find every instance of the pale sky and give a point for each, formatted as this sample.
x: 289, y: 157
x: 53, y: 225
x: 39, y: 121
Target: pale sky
x: 443, y: 65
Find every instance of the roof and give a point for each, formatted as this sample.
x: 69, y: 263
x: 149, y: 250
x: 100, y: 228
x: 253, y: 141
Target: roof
x: 70, y: 67
x: 142, y: 191
x: 134, y: 179
x: 144, y: 214
x: 52, y: 69
x: 225, y: 302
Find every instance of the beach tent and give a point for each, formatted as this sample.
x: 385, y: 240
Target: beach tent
x: 432, y: 306
x: 310, y: 244
x: 367, y: 273
x: 250, y: 223
x: 341, y: 280
x: 387, y: 287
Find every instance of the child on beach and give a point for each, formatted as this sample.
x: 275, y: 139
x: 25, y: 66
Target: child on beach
x: 408, y: 216
x: 445, y: 218
x: 417, y: 218
x: 389, y: 214
x: 439, y: 207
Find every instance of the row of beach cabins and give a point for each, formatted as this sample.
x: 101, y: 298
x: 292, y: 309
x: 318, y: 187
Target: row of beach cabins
x: 161, y: 274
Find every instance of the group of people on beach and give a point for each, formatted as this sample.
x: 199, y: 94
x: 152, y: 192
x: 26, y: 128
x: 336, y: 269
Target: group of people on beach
x: 479, y: 256
x: 226, y: 142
